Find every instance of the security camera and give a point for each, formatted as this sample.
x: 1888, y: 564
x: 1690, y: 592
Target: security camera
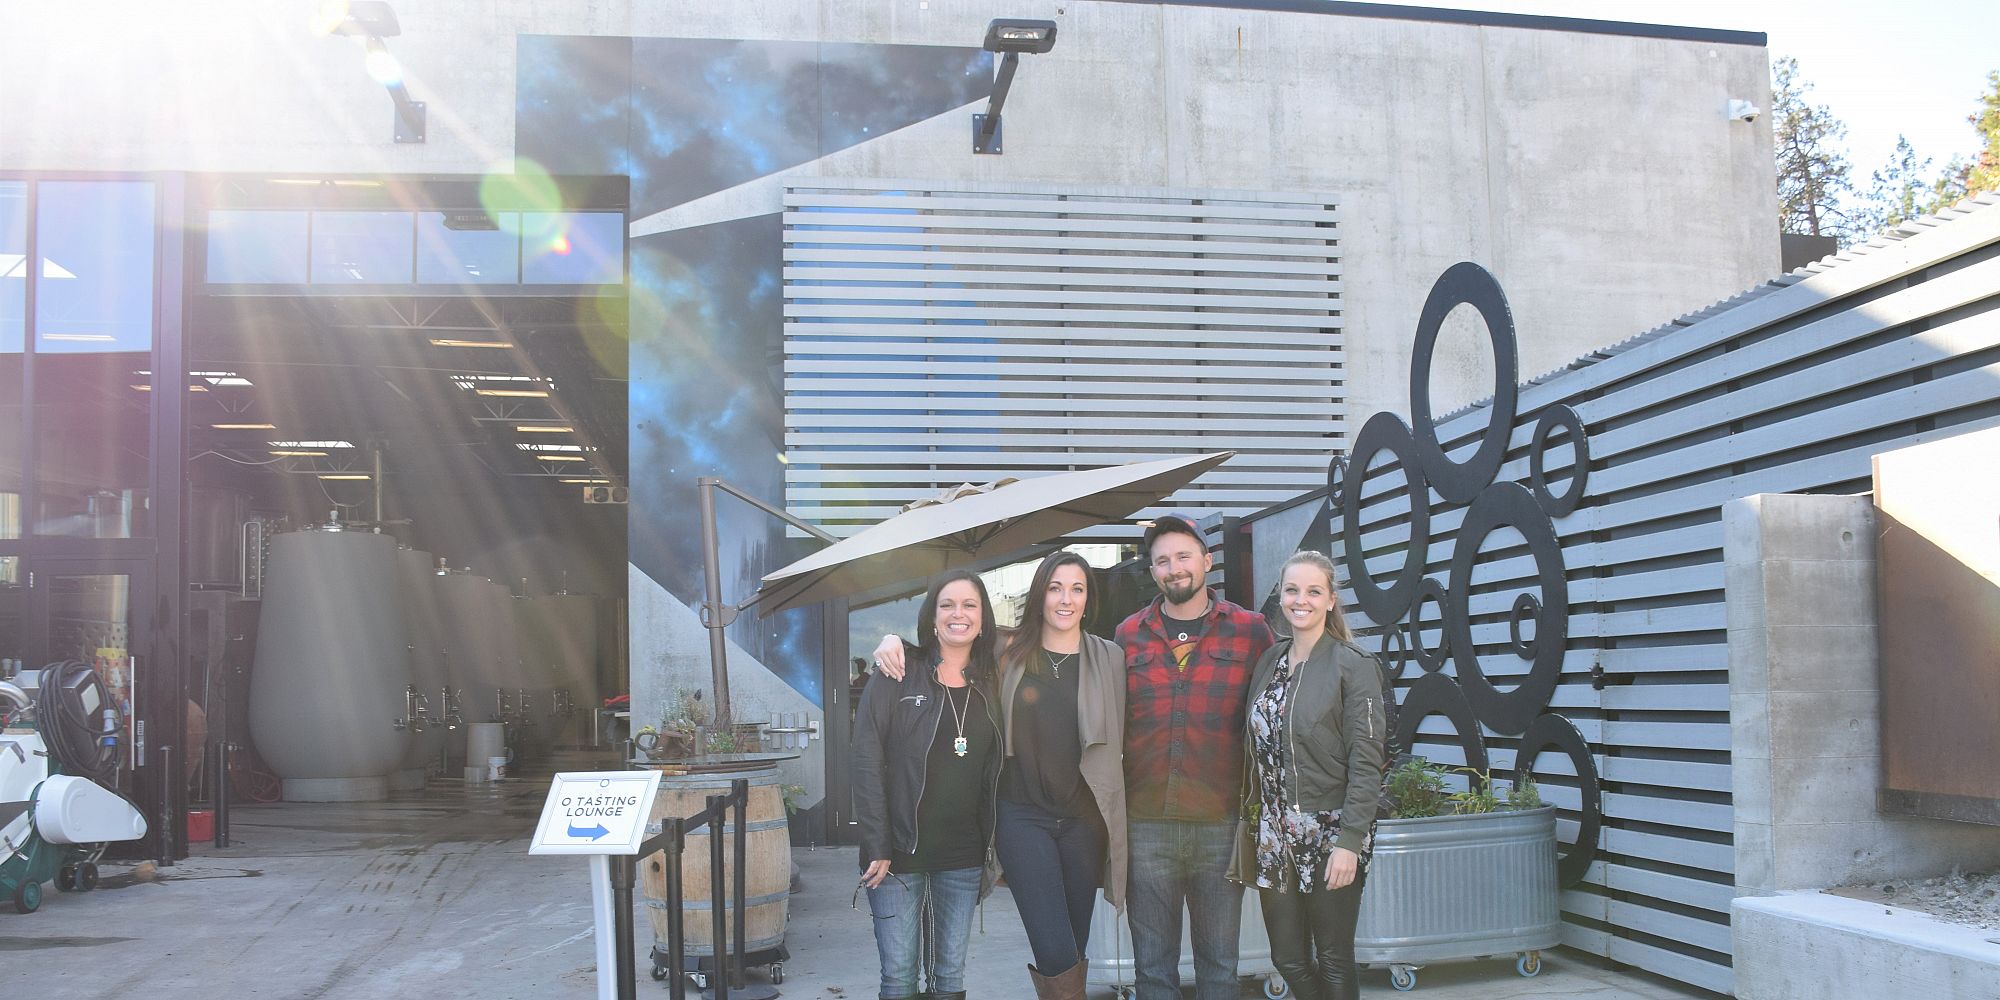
x: 1743, y: 111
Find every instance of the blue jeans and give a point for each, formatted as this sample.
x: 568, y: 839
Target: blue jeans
x: 912, y: 906
x: 1054, y: 865
x: 1176, y: 863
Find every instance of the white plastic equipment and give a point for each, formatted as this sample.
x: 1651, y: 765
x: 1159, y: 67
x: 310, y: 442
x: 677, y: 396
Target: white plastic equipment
x: 73, y: 810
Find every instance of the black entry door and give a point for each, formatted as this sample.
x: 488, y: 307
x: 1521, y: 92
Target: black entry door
x: 98, y: 611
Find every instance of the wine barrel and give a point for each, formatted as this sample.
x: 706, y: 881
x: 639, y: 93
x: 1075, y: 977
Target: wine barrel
x: 767, y: 862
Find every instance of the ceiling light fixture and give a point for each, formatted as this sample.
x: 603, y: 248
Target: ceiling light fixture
x: 244, y: 427
x: 349, y: 476
x: 90, y: 338
x: 289, y: 453
x: 515, y: 393
x: 544, y: 429
x: 561, y: 458
x: 585, y: 482
x: 470, y: 343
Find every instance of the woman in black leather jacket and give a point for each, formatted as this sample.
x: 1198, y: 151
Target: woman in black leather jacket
x: 1315, y: 741
x: 927, y: 756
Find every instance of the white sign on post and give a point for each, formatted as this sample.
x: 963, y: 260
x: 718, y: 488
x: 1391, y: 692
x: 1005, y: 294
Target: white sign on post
x: 596, y: 812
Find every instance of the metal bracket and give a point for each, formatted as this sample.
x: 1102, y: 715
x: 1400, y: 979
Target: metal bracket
x: 984, y: 141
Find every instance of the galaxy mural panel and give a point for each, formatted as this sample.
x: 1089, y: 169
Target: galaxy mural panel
x: 686, y: 118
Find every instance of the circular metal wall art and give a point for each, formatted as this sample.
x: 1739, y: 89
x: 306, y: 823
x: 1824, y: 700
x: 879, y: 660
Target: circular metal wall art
x: 1464, y: 283
x: 1435, y: 694
x: 1509, y: 504
x: 1395, y: 661
x: 1553, y: 732
x: 1526, y: 609
x: 1559, y: 417
x: 1384, y: 432
x: 1432, y: 660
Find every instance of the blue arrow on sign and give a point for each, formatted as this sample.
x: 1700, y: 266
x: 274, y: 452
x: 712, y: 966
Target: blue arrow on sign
x: 593, y: 832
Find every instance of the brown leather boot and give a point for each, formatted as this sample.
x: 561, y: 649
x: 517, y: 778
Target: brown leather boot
x: 1068, y: 986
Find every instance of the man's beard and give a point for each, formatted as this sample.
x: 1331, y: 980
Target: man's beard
x: 1181, y: 593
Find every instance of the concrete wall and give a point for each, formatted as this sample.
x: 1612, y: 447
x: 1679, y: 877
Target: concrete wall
x: 1597, y: 175
x: 1804, y: 706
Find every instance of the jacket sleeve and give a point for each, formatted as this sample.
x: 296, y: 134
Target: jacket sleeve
x: 1366, y: 728
x: 868, y: 759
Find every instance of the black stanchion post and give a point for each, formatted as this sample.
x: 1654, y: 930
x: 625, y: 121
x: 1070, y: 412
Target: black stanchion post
x: 222, y: 791
x: 621, y: 923
x: 676, y: 933
x: 740, y: 791
x: 718, y: 810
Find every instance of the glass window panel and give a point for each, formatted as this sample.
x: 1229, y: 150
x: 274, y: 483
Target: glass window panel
x: 13, y: 332
x: 94, y: 294
x: 362, y: 248
x: 572, y: 248
x: 256, y: 248
x: 92, y: 453
x: 13, y: 616
x: 11, y: 441
x: 13, y: 270
x: 449, y: 254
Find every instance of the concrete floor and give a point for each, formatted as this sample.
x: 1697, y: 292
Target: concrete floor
x: 437, y: 896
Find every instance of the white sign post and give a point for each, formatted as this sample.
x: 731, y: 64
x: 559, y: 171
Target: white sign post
x: 598, y: 813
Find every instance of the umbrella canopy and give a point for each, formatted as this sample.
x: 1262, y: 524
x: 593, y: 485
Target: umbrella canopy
x: 1013, y: 516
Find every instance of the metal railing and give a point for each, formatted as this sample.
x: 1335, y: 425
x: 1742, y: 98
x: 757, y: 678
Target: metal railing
x: 672, y: 841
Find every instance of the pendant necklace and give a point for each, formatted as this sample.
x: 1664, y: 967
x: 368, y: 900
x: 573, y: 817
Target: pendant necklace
x: 959, y: 746
x: 1056, y: 661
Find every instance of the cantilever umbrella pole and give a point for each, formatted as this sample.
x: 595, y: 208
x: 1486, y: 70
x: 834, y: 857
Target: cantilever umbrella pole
x: 715, y: 615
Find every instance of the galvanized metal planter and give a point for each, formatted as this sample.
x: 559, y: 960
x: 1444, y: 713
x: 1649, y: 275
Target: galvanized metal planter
x: 1446, y: 888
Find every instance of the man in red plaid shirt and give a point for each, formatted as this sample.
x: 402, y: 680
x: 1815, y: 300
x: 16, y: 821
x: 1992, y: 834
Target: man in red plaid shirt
x: 1188, y: 657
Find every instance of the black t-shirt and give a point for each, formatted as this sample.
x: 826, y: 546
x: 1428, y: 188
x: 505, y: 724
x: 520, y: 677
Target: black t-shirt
x: 948, y: 834
x: 1048, y: 754
x: 1182, y: 637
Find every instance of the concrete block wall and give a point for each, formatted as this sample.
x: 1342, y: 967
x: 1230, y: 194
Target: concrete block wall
x: 1804, y: 705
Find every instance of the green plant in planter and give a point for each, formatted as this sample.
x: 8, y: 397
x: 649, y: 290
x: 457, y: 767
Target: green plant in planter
x: 1524, y: 794
x: 1416, y: 789
x: 1478, y: 796
x: 792, y: 794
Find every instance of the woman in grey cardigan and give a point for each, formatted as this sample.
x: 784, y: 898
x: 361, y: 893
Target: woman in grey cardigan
x: 1315, y: 734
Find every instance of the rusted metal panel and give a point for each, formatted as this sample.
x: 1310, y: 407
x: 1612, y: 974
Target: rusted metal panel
x: 1938, y: 590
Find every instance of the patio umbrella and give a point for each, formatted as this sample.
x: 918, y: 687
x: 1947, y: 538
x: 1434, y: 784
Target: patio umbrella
x: 1015, y: 515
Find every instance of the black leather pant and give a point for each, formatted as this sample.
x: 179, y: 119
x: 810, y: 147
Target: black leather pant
x: 1312, y: 939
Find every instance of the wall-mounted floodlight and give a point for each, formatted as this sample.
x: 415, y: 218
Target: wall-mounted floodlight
x: 371, y: 21
x: 1012, y: 37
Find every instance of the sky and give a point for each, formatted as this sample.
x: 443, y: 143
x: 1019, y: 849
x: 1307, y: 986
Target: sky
x: 1914, y: 67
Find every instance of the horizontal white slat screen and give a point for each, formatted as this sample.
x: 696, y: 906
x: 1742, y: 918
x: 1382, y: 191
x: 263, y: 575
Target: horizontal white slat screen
x: 1790, y: 388
x: 936, y: 335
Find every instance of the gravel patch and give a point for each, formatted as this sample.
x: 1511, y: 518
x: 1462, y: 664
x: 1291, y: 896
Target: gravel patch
x: 1962, y: 898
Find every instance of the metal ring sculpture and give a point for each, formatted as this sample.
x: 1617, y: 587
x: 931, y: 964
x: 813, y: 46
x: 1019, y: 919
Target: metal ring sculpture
x: 1559, y: 417
x: 1470, y: 700
x: 1384, y: 432
x: 1464, y: 283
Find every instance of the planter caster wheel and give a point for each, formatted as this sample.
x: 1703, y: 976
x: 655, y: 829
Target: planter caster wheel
x: 86, y: 876
x: 777, y: 973
x: 659, y: 974
x: 28, y: 898
x: 1529, y: 964
x: 1403, y: 977
x: 1275, y: 987
x: 64, y: 877
x: 1122, y: 992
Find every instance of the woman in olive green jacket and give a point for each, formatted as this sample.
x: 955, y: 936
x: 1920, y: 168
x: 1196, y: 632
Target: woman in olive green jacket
x: 1315, y: 737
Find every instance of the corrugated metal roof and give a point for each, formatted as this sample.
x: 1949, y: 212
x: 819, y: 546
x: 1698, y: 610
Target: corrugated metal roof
x: 1903, y: 231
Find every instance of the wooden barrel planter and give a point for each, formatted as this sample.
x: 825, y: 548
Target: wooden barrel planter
x: 767, y: 862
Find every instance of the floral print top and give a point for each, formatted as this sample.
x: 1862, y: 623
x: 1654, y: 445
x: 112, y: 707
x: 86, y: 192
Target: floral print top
x: 1292, y: 844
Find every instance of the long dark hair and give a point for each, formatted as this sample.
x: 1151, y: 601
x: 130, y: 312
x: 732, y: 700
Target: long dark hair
x: 1027, y: 639
x: 979, y: 668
